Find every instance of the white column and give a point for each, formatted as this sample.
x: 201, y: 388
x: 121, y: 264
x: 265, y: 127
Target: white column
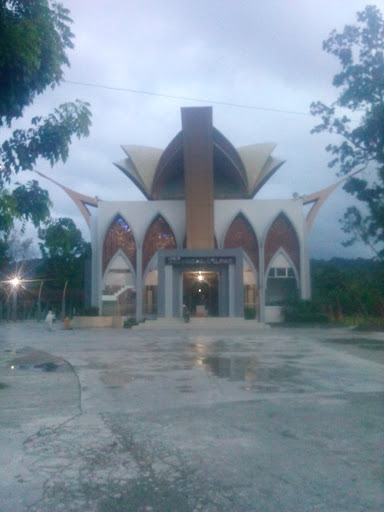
x: 139, y: 284
x: 168, y: 274
x: 231, y: 290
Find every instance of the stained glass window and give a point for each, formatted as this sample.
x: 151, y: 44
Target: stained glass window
x: 240, y: 234
x: 159, y: 236
x: 119, y: 236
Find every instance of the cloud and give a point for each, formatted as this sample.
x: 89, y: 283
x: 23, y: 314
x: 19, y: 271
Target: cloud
x: 264, y: 53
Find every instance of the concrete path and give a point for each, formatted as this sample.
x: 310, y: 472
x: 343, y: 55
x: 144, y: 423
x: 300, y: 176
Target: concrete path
x: 186, y: 420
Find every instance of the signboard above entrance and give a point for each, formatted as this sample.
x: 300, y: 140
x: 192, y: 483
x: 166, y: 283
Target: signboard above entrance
x: 189, y: 261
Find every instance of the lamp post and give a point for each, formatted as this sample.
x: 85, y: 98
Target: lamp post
x: 15, y: 283
x: 63, y: 301
x: 39, y: 301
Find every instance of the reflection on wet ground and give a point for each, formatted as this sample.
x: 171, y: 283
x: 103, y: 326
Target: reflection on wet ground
x: 165, y: 421
x: 35, y: 360
x: 41, y: 367
x: 248, y: 369
x: 232, y: 368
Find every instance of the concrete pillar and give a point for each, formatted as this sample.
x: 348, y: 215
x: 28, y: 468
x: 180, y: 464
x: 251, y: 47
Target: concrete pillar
x: 168, y: 291
x: 231, y: 290
x: 139, y: 284
x: 95, y: 270
x: 239, y: 285
x: 223, y: 292
x: 178, y: 293
x: 305, y: 275
x: 262, y: 285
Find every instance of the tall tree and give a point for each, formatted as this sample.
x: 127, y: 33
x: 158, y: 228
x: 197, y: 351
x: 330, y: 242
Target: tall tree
x: 64, y: 252
x: 24, y: 203
x: 62, y: 239
x: 360, y: 51
x: 34, y: 39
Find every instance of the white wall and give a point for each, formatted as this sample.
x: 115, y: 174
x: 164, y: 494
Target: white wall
x: 140, y: 214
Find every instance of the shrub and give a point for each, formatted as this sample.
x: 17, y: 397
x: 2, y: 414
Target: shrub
x: 129, y: 322
x: 91, y: 311
x: 249, y: 313
x: 303, y: 311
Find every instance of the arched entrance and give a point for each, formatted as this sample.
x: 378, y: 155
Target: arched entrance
x: 200, y: 292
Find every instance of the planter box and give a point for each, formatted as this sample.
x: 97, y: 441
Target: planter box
x: 274, y: 314
x: 94, y: 322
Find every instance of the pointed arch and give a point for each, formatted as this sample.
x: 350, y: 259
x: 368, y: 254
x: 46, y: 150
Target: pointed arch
x: 119, y: 236
x: 282, y: 279
x: 241, y: 234
x: 119, y: 274
x: 122, y: 256
x: 282, y: 235
x: 159, y: 235
x: 276, y: 261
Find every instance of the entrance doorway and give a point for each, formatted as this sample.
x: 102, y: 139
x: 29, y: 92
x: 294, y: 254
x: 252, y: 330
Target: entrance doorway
x: 200, y: 292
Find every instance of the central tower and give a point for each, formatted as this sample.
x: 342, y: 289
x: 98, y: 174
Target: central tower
x: 197, y: 132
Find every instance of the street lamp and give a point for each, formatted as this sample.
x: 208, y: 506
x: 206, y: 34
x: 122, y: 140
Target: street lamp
x: 15, y: 283
x: 39, y: 301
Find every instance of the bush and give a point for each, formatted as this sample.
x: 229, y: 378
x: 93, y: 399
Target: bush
x: 91, y: 311
x: 129, y: 322
x: 249, y: 313
x: 365, y: 323
x: 304, y: 311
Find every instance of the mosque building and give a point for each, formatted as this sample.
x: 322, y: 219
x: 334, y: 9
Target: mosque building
x: 200, y: 239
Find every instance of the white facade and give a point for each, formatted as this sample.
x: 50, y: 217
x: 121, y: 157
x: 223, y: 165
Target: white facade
x: 139, y: 215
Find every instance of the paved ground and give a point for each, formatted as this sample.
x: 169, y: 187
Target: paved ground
x: 180, y: 421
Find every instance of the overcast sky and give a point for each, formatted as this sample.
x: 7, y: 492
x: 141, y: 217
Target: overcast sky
x: 260, y: 53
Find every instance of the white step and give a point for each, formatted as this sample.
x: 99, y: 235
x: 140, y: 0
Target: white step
x: 201, y: 323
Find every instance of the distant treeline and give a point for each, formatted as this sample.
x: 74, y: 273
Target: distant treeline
x: 348, y: 287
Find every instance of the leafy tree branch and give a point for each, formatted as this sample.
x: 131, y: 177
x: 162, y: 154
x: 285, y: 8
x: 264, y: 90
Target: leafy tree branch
x: 360, y: 51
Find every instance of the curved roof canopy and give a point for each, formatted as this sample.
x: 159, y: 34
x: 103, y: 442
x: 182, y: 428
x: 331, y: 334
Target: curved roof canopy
x: 237, y: 174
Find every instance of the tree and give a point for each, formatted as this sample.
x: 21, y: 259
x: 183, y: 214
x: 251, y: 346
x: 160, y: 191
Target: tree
x: 20, y: 248
x: 25, y: 203
x: 33, y: 43
x: 62, y: 240
x: 65, y: 254
x: 360, y: 50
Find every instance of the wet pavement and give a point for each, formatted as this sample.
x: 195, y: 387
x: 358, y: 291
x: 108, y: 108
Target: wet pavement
x: 183, y: 420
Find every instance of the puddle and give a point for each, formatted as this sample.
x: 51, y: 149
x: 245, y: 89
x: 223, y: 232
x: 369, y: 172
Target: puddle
x: 42, y: 367
x: 185, y: 389
x: 38, y: 361
x: 248, y: 369
x: 232, y: 368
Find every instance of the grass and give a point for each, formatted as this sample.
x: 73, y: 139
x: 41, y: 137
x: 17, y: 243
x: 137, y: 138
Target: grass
x: 365, y: 323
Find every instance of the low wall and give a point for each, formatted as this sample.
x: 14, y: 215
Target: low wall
x: 90, y: 322
x: 273, y: 314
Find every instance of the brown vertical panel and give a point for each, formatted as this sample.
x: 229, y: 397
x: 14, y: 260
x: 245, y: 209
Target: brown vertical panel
x: 198, y: 176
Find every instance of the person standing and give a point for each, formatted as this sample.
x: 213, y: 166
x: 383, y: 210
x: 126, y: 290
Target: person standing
x: 49, y: 320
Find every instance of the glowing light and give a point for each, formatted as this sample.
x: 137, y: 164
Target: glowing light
x: 12, y: 367
x: 199, y: 289
x: 15, y: 282
x: 200, y: 277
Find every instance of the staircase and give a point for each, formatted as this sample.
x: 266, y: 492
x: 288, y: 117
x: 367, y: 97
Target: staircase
x: 201, y: 323
x: 114, y: 296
